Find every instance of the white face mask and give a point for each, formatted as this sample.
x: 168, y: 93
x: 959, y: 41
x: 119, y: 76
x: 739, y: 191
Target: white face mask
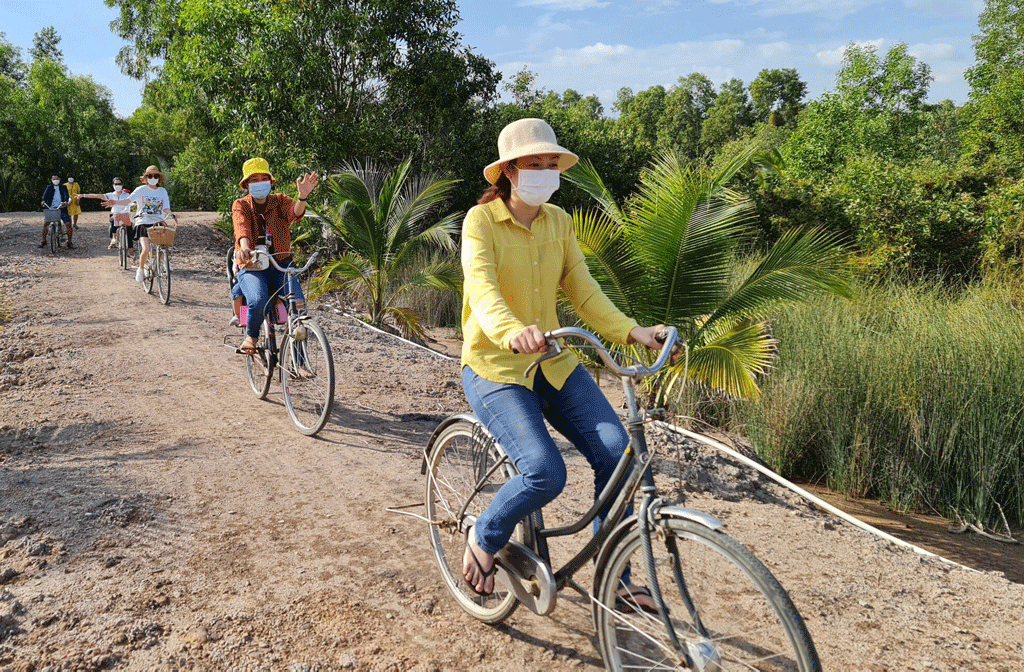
x: 118, y: 188
x: 71, y: 180
x: 55, y: 182
x: 260, y: 190
x: 536, y: 186
x: 153, y: 181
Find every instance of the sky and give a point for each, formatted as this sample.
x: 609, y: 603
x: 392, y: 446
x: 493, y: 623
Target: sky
x: 596, y: 47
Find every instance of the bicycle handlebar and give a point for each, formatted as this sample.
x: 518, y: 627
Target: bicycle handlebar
x: 670, y: 334
x: 292, y: 269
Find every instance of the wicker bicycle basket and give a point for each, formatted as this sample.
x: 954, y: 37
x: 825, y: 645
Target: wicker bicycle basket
x: 161, y: 235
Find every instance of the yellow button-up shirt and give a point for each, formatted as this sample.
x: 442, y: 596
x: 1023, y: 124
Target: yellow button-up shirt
x: 512, y: 275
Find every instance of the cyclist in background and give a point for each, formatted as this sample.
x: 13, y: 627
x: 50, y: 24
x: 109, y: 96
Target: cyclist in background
x: 119, y: 212
x: 56, y: 196
x: 152, y: 206
x: 263, y: 218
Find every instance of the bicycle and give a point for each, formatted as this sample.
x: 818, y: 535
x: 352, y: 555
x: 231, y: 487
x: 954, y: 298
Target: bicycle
x: 57, y: 233
x: 306, y: 368
x: 125, y: 260
x: 158, y: 266
x: 718, y: 606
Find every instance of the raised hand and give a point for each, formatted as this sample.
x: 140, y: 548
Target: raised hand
x: 306, y: 184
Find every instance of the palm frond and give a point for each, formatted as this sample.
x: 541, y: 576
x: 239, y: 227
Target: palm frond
x: 408, y: 322
x: 800, y: 264
x: 609, y: 259
x: 732, y: 359
x: 584, y: 176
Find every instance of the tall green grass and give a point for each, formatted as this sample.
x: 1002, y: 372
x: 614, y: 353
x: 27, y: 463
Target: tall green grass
x: 912, y: 394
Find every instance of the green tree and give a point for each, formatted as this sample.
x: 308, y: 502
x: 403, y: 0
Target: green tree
x: 317, y: 81
x: 878, y: 107
x: 387, y: 222
x: 777, y: 96
x: 667, y: 256
x: 45, y: 45
x: 686, y: 108
x: 997, y: 46
x: 640, y: 116
x: 11, y: 65
x: 730, y: 113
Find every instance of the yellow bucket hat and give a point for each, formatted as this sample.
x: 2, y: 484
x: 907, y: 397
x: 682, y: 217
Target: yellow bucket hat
x: 528, y: 137
x: 252, y: 167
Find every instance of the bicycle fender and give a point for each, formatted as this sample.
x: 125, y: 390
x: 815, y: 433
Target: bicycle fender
x: 694, y: 516
x: 450, y: 420
x: 657, y: 511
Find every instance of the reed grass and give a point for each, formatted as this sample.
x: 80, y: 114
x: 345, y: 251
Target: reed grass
x: 912, y: 394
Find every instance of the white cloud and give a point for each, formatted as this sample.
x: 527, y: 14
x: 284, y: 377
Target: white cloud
x: 947, y: 8
x: 773, y: 49
x: 835, y: 56
x: 829, y: 8
x: 930, y: 53
x: 564, y: 5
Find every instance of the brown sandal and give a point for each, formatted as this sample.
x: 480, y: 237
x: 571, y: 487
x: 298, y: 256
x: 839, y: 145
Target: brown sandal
x: 248, y: 346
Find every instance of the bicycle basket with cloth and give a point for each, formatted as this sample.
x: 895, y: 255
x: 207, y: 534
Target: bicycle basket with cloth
x: 161, y: 235
x: 51, y: 215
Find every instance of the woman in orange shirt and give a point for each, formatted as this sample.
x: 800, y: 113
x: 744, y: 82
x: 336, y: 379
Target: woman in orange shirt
x: 263, y: 218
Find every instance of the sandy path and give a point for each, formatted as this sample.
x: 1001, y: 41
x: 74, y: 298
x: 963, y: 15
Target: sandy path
x: 155, y: 515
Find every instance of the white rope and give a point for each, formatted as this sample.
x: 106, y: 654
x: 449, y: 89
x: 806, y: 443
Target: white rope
x: 817, y: 501
x: 394, y: 336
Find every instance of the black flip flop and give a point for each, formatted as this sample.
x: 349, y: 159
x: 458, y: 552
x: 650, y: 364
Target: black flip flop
x: 625, y: 605
x: 479, y: 568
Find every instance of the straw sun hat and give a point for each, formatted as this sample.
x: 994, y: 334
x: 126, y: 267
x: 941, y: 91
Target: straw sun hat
x: 528, y: 137
x: 152, y: 170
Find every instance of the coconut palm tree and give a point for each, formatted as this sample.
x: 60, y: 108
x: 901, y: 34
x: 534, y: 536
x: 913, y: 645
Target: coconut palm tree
x: 387, y: 222
x: 668, y: 256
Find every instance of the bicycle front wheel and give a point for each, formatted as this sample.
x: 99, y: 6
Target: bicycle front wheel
x: 726, y: 609
x: 122, y: 246
x: 307, y: 376
x: 461, y: 483
x: 259, y: 367
x: 54, y: 236
x: 163, y: 274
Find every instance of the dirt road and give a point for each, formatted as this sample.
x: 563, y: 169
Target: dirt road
x: 154, y: 515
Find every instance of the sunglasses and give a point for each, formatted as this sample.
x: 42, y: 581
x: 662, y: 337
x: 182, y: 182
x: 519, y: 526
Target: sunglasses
x: 156, y: 176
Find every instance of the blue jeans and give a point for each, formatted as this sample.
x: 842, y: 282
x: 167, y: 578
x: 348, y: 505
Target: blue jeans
x: 258, y: 287
x: 515, y: 416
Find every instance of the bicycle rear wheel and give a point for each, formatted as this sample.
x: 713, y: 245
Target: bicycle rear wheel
x: 163, y: 274
x: 259, y: 366
x: 54, y: 236
x: 462, y: 456
x: 230, y: 268
x: 727, y: 610
x: 307, y: 376
x: 122, y: 246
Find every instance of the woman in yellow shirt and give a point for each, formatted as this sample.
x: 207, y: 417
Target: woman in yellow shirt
x: 517, y: 251
x: 74, y: 209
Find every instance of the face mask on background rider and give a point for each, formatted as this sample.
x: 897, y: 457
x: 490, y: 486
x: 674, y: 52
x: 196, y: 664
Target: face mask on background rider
x: 71, y: 180
x: 259, y: 190
x: 153, y: 181
x: 536, y: 186
x: 118, y: 188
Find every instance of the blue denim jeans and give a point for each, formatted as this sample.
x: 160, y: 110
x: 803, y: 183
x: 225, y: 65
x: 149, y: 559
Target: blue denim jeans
x: 515, y: 416
x: 258, y: 287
